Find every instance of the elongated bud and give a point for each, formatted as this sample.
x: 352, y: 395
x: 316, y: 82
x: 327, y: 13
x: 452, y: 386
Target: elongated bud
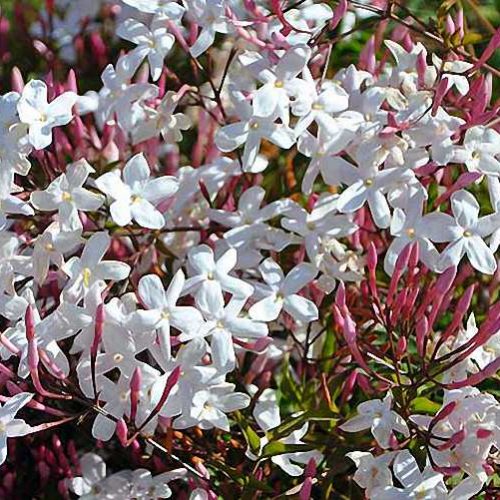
x: 172, y: 381
x: 71, y: 82
x: 449, y: 25
x: 122, y: 432
x: 459, y: 23
x: 443, y: 413
x: 401, y: 347
x: 421, y: 69
x: 489, y: 50
x: 421, y: 332
x: 98, y: 329
x: 401, y: 263
x: 29, y: 320
x: 135, y: 387
x: 441, y: 91
x: 17, y: 81
x: 338, y: 14
x: 457, y: 438
x: 460, y: 311
x: 489, y: 371
x: 310, y: 472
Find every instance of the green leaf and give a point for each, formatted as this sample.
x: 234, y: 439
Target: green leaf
x: 293, y: 423
x: 279, y: 448
x: 251, y: 436
x: 424, y: 405
x: 472, y: 38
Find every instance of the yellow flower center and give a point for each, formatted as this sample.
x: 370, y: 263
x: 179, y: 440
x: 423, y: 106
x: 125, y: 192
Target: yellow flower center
x: 66, y: 196
x: 86, y: 273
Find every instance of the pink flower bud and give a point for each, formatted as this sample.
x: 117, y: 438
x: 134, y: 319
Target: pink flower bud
x: 122, y: 432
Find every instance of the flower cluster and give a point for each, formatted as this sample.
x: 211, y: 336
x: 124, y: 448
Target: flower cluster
x: 216, y: 251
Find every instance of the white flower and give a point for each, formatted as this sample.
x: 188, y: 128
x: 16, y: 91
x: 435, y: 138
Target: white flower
x: 154, y: 42
x: 329, y: 141
x: 42, y: 116
x: 121, y: 99
x: 210, y: 16
x: 377, y: 415
x: 452, y: 71
x: 427, y: 484
x: 11, y: 426
x: 372, y: 472
x: 465, y: 232
x: 162, y: 120
x: 210, y: 277
x: 84, y: 271
x: 250, y: 131
x: 167, y: 8
x: 49, y: 249
x: 162, y: 311
x: 366, y: 184
x: 289, y: 462
x: 209, y: 407
x: 223, y: 323
x: 66, y: 195
x: 281, y: 293
x: 480, y: 148
x: 135, y: 198
x: 273, y: 98
x: 408, y: 226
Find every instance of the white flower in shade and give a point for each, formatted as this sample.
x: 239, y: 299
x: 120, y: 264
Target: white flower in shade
x: 465, y: 232
x: 42, y: 116
x: 166, y: 8
x: 162, y: 120
x: 121, y: 99
x: 281, y: 293
x: 162, y: 311
x: 49, y: 249
x: 10, y: 204
x: 209, y: 277
x: 453, y: 72
x: 134, y: 196
x: 84, y: 271
x: 67, y: 195
x: 372, y: 472
x: 154, y: 42
x: 10, y: 426
x: 321, y: 150
x: 319, y: 106
x: 428, y: 484
x: 481, y: 148
x: 93, y: 483
x: 377, y: 416
x: 293, y: 463
x: 210, y: 16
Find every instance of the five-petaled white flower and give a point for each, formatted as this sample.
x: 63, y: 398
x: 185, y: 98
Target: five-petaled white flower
x: 42, y: 116
x: 67, y: 195
x: 135, y: 198
x: 378, y: 416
